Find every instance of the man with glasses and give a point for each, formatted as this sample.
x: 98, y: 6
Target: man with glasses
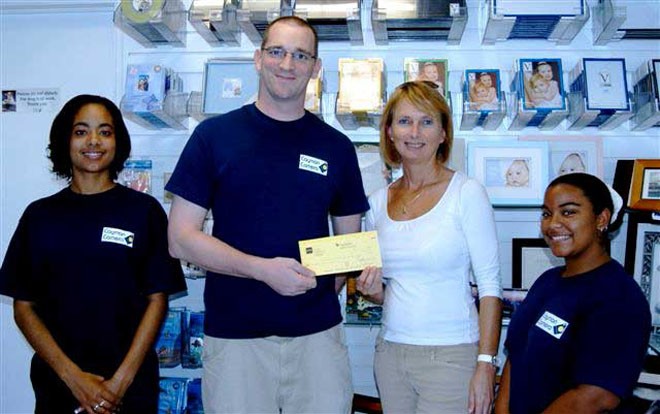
x: 271, y: 173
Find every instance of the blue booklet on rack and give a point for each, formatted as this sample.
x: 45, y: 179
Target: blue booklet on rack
x: 168, y: 345
x: 193, y: 340
x: 173, y: 395
x: 194, y: 403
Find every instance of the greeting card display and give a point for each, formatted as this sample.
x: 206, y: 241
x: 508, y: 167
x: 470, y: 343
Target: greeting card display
x: 173, y: 395
x: 361, y: 94
x: 168, y: 344
x: 153, y: 97
x: 406, y: 20
x: 153, y: 23
x: 537, y: 94
x: 333, y: 20
x: 215, y: 22
x: 432, y: 70
x: 598, y: 94
x: 534, y: 19
x: 646, y: 95
x: 484, y: 102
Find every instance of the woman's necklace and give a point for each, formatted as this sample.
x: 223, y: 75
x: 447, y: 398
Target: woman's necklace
x: 404, y: 205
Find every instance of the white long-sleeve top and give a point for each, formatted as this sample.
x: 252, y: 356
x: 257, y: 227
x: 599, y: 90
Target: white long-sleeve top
x: 427, y: 263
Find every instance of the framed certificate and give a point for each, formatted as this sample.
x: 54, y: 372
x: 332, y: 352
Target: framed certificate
x: 530, y: 258
x: 542, y: 83
x: 605, y: 84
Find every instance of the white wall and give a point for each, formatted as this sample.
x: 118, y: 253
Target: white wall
x: 76, y: 53
x: 82, y: 52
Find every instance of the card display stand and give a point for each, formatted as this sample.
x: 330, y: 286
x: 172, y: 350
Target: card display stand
x: 215, y: 22
x: 406, y: 20
x: 615, y: 20
x: 558, y: 22
x: 606, y: 21
x: 489, y: 119
x: 172, y: 113
x: 333, y: 20
x: 646, y: 97
x: 543, y: 119
x: 253, y: 17
x: 159, y: 23
x: 361, y: 96
x: 598, y: 94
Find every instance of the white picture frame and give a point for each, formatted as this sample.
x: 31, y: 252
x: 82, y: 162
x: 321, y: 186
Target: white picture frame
x: 514, y: 173
x: 572, y: 154
x: 228, y: 84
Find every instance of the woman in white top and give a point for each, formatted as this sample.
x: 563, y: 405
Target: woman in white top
x: 435, y: 227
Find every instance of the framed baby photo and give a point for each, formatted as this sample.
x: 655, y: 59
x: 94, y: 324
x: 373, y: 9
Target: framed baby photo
x: 606, y: 84
x: 572, y: 154
x: 434, y: 70
x: 645, y: 185
x: 542, y: 83
x: 482, y: 89
x: 530, y: 258
x: 514, y: 173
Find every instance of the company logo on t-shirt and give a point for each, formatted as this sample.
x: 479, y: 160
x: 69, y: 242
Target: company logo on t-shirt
x: 118, y: 236
x: 552, y: 324
x: 312, y: 164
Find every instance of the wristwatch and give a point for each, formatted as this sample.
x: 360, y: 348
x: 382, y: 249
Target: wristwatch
x: 491, y: 359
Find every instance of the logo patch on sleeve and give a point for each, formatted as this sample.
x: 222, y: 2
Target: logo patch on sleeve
x: 119, y: 236
x: 554, y: 325
x: 312, y: 164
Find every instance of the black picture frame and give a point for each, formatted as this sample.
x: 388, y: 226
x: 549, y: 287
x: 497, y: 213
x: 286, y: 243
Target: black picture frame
x: 524, y: 249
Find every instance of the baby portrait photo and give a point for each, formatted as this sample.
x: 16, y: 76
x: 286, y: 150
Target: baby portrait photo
x: 483, y: 89
x: 542, y: 83
x: 432, y: 70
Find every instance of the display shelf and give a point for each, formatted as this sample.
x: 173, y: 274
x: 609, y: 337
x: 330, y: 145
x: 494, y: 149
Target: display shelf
x: 411, y: 20
x: 621, y: 20
x: 646, y: 96
x: 333, y: 20
x: 156, y: 23
x: 558, y: 22
x: 215, y: 22
x: 172, y: 113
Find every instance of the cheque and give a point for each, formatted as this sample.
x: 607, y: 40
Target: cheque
x: 339, y: 254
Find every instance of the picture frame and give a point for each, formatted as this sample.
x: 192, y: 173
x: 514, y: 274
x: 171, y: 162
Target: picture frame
x: 229, y: 83
x: 646, y: 269
x: 572, y: 154
x: 361, y: 85
x: 645, y: 186
x: 514, y: 173
x: 530, y: 258
x: 541, y: 84
x: 434, y: 70
x: 482, y: 89
x: 606, y: 86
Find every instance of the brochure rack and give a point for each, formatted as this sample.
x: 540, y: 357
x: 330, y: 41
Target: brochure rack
x: 646, y: 96
x: 489, y: 119
x: 405, y: 20
x: 558, y: 22
x: 159, y: 23
x: 215, y: 22
x: 333, y: 20
x: 172, y: 113
x: 606, y: 21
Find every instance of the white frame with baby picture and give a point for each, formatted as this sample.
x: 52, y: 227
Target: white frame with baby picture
x: 489, y: 101
x: 515, y: 173
x: 647, y: 271
x: 586, y: 152
x: 545, y: 75
x: 412, y: 71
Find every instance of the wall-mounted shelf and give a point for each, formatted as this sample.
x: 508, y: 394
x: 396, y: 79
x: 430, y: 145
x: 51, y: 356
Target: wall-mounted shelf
x: 157, y: 23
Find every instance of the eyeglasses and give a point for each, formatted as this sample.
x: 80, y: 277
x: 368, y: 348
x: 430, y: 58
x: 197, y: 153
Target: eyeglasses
x: 279, y: 53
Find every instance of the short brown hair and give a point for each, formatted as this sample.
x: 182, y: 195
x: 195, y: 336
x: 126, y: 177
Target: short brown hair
x: 425, y: 96
x: 295, y: 20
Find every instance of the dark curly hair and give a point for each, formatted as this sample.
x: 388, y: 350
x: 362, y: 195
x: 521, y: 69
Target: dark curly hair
x: 60, y: 136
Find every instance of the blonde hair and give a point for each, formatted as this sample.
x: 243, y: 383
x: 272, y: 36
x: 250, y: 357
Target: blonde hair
x: 426, y: 97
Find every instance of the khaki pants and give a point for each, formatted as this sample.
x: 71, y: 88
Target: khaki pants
x: 309, y: 374
x: 424, y: 379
